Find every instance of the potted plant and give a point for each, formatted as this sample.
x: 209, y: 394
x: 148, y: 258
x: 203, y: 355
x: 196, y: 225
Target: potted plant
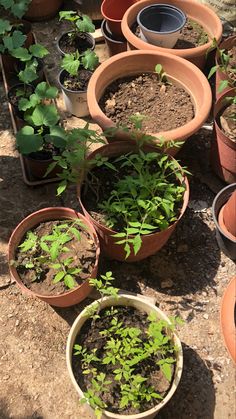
x: 224, y: 216
x: 52, y: 254
x: 79, y: 38
x: 73, y: 79
x: 42, y: 138
x: 179, y: 72
x: 11, y: 37
x: 227, y: 318
x: 135, y: 341
x: 225, y: 65
x: 196, y: 12
x: 223, y: 148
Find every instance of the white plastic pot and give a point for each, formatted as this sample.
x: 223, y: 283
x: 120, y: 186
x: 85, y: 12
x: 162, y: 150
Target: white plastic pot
x: 75, y: 101
x: 142, y: 305
x: 160, y: 24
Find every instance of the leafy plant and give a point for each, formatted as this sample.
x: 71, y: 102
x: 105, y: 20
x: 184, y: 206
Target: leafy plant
x: 10, y: 38
x: 43, y: 118
x: 118, y: 367
x: 16, y: 7
x: 72, y: 62
x: 30, y: 60
x: 40, y: 253
x: 223, y: 66
x: 80, y: 23
x: 161, y: 73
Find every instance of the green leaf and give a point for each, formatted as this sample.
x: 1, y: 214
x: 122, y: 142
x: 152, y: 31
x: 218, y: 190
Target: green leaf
x: 28, y: 75
x: 212, y: 71
x: 21, y: 53
x: 45, y: 115
x: 69, y: 281
x: 5, y: 26
x: 14, y: 41
x: 166, y: 369
x: 57, y: 137
x: 137, y: 243
x: 66, y: 14
x: 90, y: 60
x: 58, y: 277
x: 127, y: 250
x: 223, y: 84
x: 44, y: 246
x: 71, y: 64
x: 27, y: 141
x: 85, y: 24
x: 38, y: 51
x: 45, y: 91
x: 62, y: 186
x: 158, y: 69
x: 19, y: 8
x: 25, y: 104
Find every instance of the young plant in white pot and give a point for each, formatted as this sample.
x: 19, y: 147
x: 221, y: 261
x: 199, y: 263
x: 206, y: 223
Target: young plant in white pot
x: 76, y: 71
x: 123, y: 355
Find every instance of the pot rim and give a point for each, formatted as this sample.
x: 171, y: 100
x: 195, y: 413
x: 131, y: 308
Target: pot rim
x: 106, y: 34
x: 91, y: 230
x: 88, y: 35
x: 150, y: 307
x: 189, y: 127
x: 129, y: 35
x: 226, y: 43
x: 109, y: 230
x: 168, y: 7
x: 222, y: 193
x: 227, y: 321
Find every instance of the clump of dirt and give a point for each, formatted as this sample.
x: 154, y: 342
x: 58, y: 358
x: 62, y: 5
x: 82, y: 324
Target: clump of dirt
x: 165, y: 105
x: 82, y: 251
x: 78, y: 82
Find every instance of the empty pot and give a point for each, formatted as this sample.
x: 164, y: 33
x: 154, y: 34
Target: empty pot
x: 160, y: 24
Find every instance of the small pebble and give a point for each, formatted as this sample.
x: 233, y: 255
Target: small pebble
x: 167, y: 283
x: 205, y: 316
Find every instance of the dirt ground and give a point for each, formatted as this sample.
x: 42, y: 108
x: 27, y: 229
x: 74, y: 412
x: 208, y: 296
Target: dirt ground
x: 187, y: 278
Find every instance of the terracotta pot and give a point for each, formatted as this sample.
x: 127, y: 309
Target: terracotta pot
x: 151, y: 243
x: 227, y: 318
x: 229, y: 215
x: 140, y: 304
x: 223, y: 149
x: 227, y: 44
x: 226, y: 241
x: 114, y: 44
x: 42, y: 9
x: 88, y: 37
x: 113, y: 11
x: 71, y: 297
x: 75, y: 100
x: 194, y: 10
x: 180, y: 71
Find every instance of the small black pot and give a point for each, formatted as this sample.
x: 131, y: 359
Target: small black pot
x: 10, y: 93
x: 89, y: 38
x: 226, y: 244
x: 114, y: 43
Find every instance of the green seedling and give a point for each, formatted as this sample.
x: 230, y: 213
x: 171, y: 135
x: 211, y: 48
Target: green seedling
x: 223, y: 66
x: 73, y: 62
x: 49, y: 251
x: 80, y: 23
x: 10, y: 38
x: 16, y: 7
x: 29, y: 58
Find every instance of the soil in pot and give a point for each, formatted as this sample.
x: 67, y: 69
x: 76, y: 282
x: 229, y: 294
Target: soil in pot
x: 89, y: 337
x: 192, y: 35
x: 231, y: 73
x: 82, y: 252
x: 78, y: 82
x: 79, y: 43
x: 227, y: 121
x: 165, y: 105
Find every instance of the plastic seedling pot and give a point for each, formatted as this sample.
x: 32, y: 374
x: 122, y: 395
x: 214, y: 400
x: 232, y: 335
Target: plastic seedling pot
x: 160, y: 24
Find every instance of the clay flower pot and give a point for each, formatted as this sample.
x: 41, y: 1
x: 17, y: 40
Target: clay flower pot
x: 151, y: 243
x: 179, y: 71
x: 39, y: 10
x: 140, y: 304
x: 193, y: 10
x: 226, y: 45
x: 113, y: 11
x: 224, y: 212
x: 227, y: 318
x: 68, y: 298
x: 115, y: 44
x: 223, y: 148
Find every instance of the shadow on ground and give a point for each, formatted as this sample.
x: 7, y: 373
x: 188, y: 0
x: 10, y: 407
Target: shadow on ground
x: 195, y: 395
